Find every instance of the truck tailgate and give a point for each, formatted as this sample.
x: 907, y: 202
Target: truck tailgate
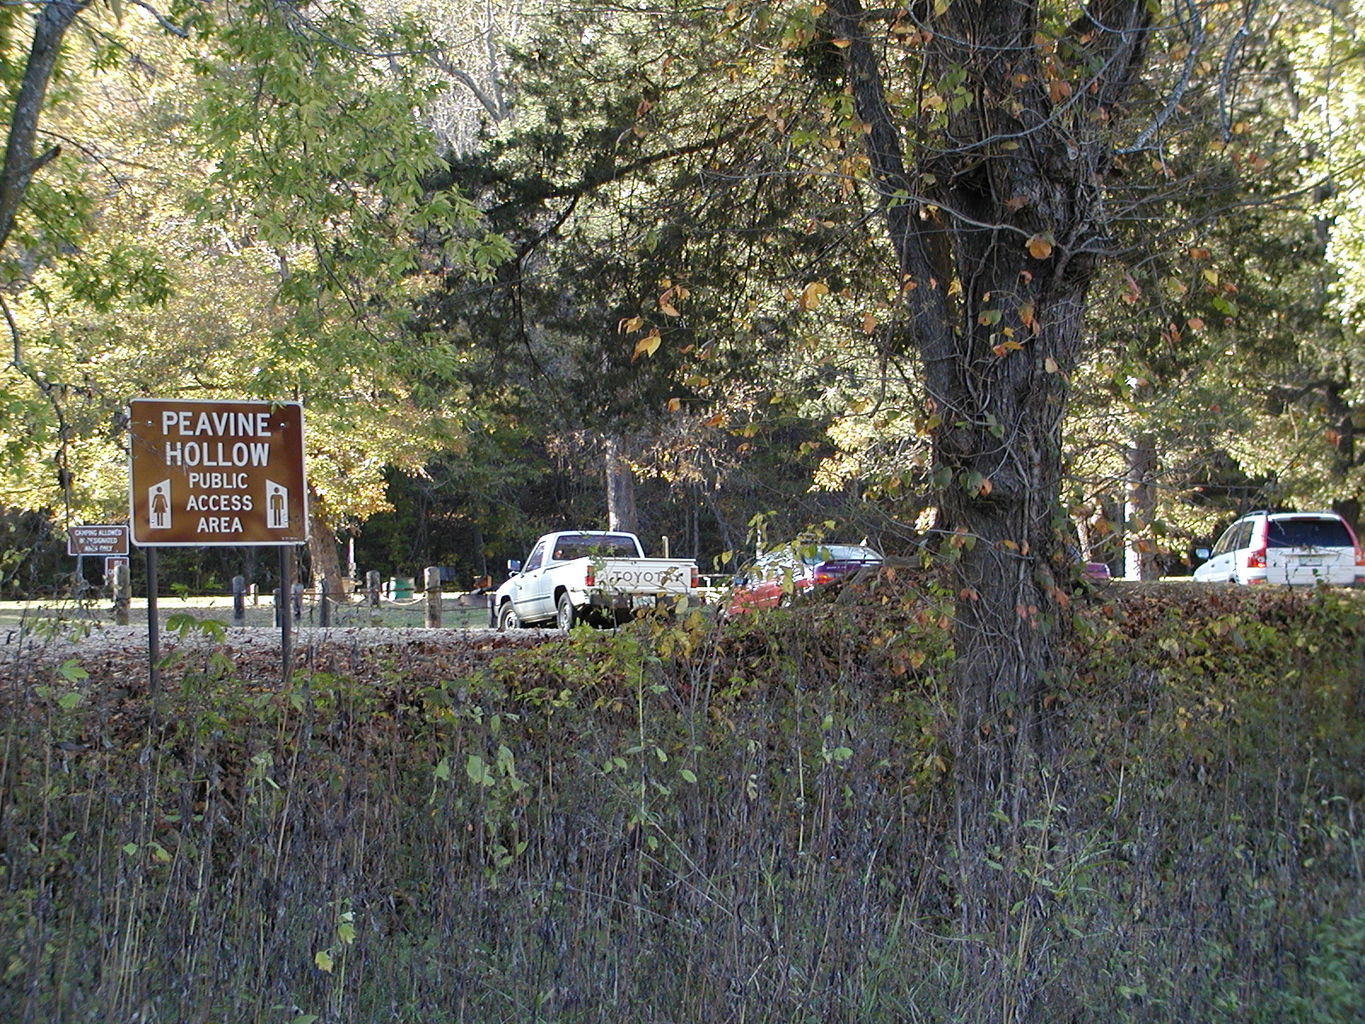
x: 645, y: 576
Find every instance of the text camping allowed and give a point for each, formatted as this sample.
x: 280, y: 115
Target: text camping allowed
x: 216, y: 473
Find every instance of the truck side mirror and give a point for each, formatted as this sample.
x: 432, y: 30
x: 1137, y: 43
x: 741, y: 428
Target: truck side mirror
x: 513, y: 566
x: 1202, y: 554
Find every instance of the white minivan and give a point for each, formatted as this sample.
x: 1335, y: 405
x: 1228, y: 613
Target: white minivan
x: 1294, y: 548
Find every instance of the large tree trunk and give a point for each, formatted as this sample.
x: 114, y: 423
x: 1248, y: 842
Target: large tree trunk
x: 1139, y: 509
x: 323, y: 547
x: 620, y: 488
x: 996, y: 219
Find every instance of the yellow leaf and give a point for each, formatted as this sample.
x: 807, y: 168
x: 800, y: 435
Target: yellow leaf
x: 1040, y: 246
x: 323, y: 961
x: 810, y: 295
x: 647, y: 345
x: 674, y: 404
x: 630, y: 326
x: 869, y: 323
x: 1058, y: 90
x: 668, y: 309
x: 1050, y: 365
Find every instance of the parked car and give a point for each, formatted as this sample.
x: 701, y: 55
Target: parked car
x: 1096, y: 570
x: 1294, y: 548
x: 784, y: 573
x: 589, y: 575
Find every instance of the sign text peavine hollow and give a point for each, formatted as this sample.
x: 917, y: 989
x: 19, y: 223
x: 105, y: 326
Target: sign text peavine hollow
x: 217, y: 473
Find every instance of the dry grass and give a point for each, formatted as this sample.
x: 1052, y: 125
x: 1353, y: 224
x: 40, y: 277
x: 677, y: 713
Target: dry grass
x: 696, y: 824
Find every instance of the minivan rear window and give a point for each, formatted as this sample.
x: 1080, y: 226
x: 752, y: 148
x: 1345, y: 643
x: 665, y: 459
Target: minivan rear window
x: 1308, y: 533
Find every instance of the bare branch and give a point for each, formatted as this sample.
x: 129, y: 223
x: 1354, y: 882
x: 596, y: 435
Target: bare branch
x: 162, y: 20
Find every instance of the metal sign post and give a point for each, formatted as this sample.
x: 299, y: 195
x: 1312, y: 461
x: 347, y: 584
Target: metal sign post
x: 217, y: 473
x: 153, y: 633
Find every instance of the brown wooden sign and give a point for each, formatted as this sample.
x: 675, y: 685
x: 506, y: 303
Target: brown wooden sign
x: 206, y: 473
x: 90, y: 539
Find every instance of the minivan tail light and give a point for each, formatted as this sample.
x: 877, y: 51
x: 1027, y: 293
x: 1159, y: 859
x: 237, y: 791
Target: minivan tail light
x: 1260, y: 541
x: 589, y: 576
x: 696, y: 578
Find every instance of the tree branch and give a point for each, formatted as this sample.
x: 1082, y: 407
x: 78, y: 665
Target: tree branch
x: 49, y: 28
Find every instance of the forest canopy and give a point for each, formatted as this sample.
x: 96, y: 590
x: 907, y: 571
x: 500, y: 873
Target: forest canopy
x: 715, y: 273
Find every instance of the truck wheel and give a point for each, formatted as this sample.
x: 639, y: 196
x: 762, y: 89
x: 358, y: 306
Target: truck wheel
x: 565, y: 615
x: 507, y: 617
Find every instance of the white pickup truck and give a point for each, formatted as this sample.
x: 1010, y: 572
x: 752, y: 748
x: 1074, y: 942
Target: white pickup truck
x: 592, y: 576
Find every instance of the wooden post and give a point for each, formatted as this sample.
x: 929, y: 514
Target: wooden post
x: 372, y: 583
x: 324, y: 604
x: 121, y: 596
x: 433, y: 588
x: 239, y: 600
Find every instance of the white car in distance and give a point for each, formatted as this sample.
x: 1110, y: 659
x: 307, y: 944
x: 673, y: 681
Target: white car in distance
x: 1285, y: 548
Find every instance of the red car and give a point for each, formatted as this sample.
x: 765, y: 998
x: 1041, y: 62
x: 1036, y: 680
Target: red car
x: 778, y: 576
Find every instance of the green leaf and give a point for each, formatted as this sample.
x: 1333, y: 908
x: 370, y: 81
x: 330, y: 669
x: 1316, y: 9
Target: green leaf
x: 477, y: 770
x: 688, y: 775
x: 182, y: 623
x: 72, y: 672
x: 322, y: 960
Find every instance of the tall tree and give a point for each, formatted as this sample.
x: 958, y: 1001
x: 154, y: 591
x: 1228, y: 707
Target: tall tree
x: 993, y: 185
x: 993, y: 133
